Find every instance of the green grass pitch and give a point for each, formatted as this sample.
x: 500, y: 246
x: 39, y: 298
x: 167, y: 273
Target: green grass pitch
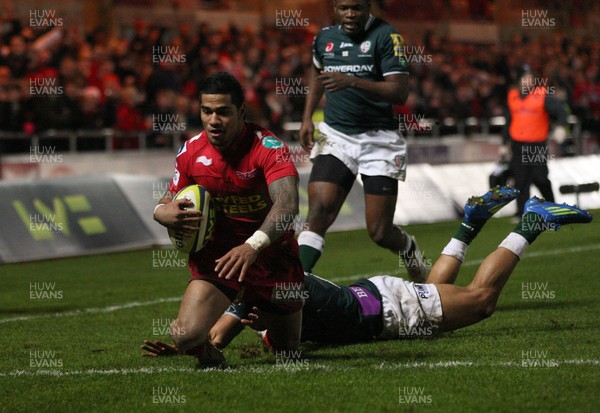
x: 71, y: 330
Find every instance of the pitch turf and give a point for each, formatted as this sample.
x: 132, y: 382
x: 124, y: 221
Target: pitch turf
x: 71, y: 330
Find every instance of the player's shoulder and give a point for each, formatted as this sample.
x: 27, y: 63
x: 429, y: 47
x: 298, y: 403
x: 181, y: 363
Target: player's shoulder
x: 327, y: 33
x: 327, y: 29
x: 264, y: 139
x: 192, y: 145
x: 379, y: 27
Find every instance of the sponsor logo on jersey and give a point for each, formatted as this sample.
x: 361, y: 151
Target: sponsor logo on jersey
x: 271, y: 142
x: 343, y: 45
x: 176, y: 176
x: 238, y: 205
x: 204, y: 160
x: 365, y: 46
x: 329, y: 47
x: 398, y: 44
x: 422, y: 291
x: 399, y: 160
x: 246, y: 174
x: 349, y: 68
x: 345, y: 53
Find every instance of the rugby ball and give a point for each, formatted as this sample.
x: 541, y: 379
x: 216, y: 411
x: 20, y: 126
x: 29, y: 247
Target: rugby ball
x: 202, y: 202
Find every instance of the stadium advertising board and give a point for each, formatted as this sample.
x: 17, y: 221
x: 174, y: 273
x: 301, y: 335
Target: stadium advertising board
x: 66, y: 217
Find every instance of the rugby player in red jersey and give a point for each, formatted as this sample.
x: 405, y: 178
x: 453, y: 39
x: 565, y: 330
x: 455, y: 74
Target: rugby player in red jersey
x: 254, y: 185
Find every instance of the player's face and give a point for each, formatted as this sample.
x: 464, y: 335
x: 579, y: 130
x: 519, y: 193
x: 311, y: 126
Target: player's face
x: 222, y: 120
x: 352, y: 15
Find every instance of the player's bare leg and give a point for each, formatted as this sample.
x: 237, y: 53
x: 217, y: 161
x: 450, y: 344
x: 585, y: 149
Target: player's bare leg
x: 284, y: 330
x: 325, y: 199
x: 463, y: 306
x: 379, y: 214
x: 202, y: 305
x: 445, y: 270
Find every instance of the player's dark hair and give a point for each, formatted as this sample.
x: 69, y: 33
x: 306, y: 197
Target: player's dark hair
x: 223, y: 83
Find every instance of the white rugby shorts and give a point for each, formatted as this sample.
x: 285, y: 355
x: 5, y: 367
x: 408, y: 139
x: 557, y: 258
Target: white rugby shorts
x: 372, y: 153
x: 410, y: 310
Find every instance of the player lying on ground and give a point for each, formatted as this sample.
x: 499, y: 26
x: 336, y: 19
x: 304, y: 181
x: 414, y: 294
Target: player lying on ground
x: 385, y: 307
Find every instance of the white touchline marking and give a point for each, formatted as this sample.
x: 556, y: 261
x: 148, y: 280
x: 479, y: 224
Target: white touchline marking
x: 276, y: 369
x: 109, y: 309
x: 134, y: 304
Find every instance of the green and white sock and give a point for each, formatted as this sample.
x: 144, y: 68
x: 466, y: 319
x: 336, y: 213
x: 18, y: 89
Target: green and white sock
x: 531, y: 226
x: 456, y: 248
x: 469, y: 230
x: 311, y: 247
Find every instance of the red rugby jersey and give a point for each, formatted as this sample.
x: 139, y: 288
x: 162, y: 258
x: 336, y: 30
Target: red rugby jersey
x: 237, y: 181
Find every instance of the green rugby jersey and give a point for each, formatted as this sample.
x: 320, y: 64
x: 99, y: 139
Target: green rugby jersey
x: 378, y: 52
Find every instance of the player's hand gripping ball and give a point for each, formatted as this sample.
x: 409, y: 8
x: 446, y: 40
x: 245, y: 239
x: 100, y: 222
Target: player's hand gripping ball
x: 203, y: 202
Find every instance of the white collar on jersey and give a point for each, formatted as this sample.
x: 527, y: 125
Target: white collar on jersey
x: 369, y: 22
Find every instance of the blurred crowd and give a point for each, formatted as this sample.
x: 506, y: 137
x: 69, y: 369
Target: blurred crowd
x: 461, y: 80
x: 145, y: 78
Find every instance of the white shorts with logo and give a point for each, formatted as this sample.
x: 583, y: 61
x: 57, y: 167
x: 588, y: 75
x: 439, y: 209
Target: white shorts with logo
x: 372, y: 153
x: 410, y: 310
